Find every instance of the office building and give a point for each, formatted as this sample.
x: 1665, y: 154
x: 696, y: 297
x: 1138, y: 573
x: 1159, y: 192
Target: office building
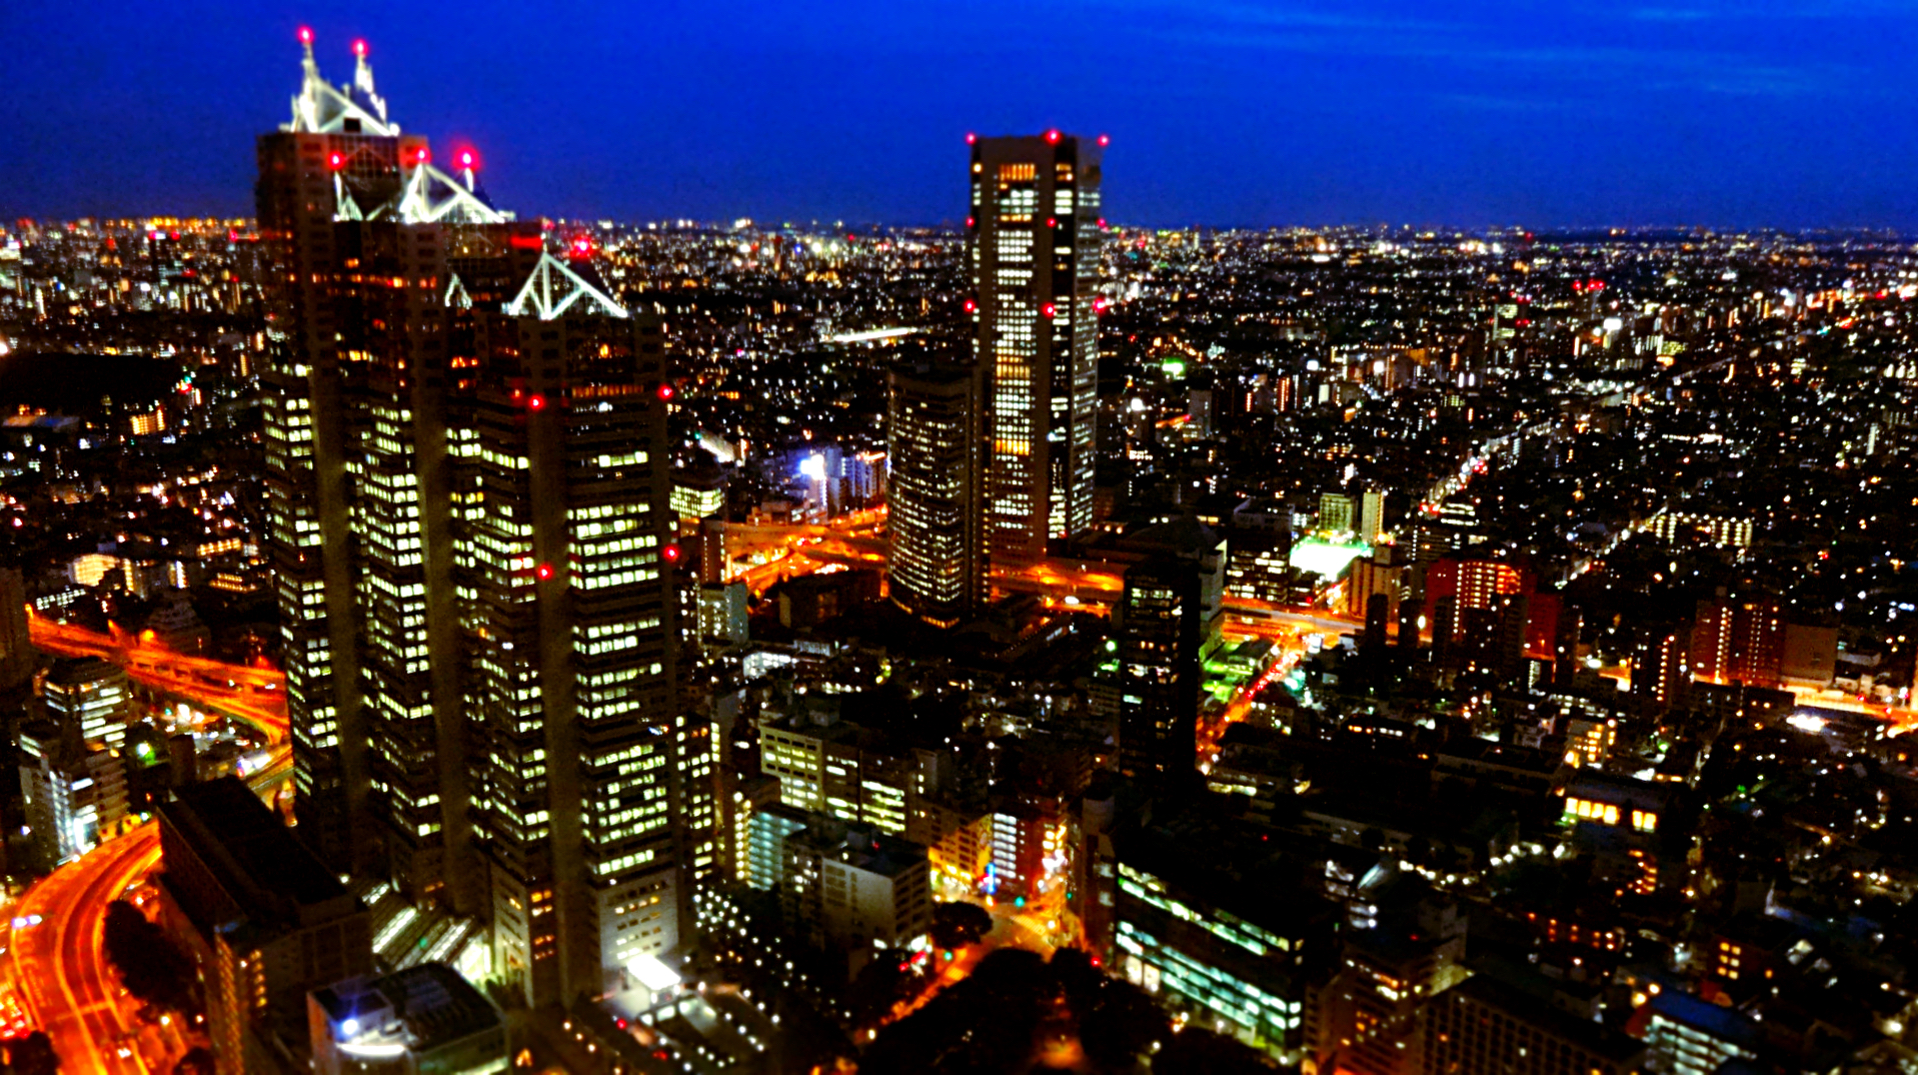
x: 266, y: 920
x: 75, y: 793
x: 1156, y: 634
x: 854, y: 889
x: 91, y: 695
x: 418, y: 1020
x: 1335, y: 513
x: 1242, y: 973
x: 469, y: 506
x: 935, y: 427
x: 1035, y: 224
x: 1487, y: 1025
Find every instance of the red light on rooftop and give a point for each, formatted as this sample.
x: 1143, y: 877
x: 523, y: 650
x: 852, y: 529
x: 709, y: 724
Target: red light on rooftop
x: 1048, y: 309
x: 466, y: 159
x: 1052, y: 222
x: 1102, y: 222
x: 544, y: 571
x: 336, y: 161
x: 672, y: 554
x: 1052, y: 137
x: 306, y: 35
x: 420, y: 156
x: 971, y: 138
x: 536, y: 403
x: 1105, y: 139
x: 972, y: 222
x: 359, y: 48
x: 665, y: 391
x: 971, y: 306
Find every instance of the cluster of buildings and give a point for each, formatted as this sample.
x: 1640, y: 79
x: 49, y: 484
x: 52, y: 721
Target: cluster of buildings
x: 1399, y: 651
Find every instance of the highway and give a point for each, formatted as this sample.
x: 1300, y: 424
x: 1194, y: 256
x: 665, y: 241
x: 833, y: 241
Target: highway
x: 58, y: 965
x: 241, y: 692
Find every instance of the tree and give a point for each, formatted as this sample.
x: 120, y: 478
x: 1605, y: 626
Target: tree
x: 33, y: 1055
x: 955, y: 925
x: 151, y: 966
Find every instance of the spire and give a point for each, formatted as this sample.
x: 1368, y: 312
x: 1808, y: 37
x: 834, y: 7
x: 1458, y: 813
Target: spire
x: 362, y: 70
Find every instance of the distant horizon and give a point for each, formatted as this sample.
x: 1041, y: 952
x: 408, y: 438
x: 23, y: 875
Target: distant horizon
x: 1786, y: 114
x: 11, y: 222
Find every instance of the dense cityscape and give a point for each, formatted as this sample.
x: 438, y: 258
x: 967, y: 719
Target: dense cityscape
x: 438, y: 637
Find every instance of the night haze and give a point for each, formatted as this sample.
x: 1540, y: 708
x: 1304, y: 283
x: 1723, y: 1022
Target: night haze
x: 1786, y: 113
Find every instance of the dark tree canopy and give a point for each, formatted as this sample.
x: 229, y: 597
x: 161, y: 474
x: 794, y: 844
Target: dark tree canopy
x: 151, y: 966
x: 957, y: 924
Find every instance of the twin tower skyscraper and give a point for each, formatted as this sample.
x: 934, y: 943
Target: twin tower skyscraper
x: 467, y: 498
x: 993, y: 461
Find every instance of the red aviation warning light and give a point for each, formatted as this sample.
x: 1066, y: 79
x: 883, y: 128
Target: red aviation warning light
x: 971, y: 306
x: 359, y: 48
x: 419, y: 157
x: 336, y: 160
x: 971, y: 138
x: 665, y: 391
x: 543, y: 571
x: 671, y: 553
x: 467, y: 160
x: 1052, y: 222
x: 1052, y: 137
x: 1048, y: 310
x: 536, y: 403
x: 1105, y: 140
x: 306, y: 35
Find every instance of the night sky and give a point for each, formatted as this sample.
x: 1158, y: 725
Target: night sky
x: 1785, y: 112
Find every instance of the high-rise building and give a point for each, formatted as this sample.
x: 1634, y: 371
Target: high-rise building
x: 359, y: 225
x: 1035, y: 221
x: 1739, y: 641
x: 1335, y: 512
x: 1157, y: 632
x: 469, y: 505
x: 91, y: 695
x: 935, y: 427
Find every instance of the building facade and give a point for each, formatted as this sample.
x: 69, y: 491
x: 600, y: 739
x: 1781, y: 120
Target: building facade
x: 1034, y: 223
x: 935, y: 425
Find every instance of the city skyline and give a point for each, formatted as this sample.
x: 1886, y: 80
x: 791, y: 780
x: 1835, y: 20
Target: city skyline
x: 1782, y: 115
x: 439, y: 635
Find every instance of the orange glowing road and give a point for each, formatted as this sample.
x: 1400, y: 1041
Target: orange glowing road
x: 242, y: 692
x: 59, y: 965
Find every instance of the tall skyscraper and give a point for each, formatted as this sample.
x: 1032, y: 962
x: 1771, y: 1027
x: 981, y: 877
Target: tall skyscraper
x: 1035, y: 261
x: 935, y: 426
x: 469, y: 506
x: 358, y: 223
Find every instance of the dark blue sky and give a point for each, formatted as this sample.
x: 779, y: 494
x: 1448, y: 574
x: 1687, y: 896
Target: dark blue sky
x: 1788, y: 112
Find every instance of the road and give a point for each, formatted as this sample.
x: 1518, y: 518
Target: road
x: 58, y: 967
x: 241, y: 692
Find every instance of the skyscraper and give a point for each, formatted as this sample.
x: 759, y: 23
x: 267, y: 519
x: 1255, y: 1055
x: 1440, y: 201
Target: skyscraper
x: 1035, y: 261
x: 469, y: 504
x: 935, y: 426
x: 356, y: 220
